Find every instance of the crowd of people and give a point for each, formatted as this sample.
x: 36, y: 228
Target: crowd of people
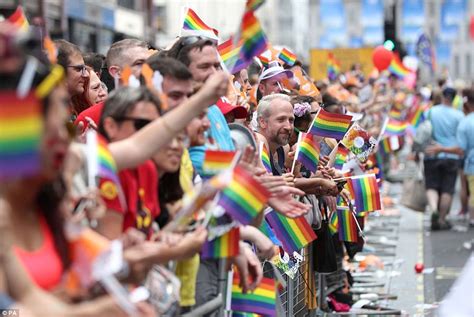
x: 160, y: 110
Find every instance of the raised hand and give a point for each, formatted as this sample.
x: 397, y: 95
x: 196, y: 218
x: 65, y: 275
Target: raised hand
x: 214, y: 87
x: 283, y: 202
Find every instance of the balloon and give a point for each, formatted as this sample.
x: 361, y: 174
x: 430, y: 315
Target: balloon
x: 471, y: 27
x: 381, y: 57
x: 419, y: 267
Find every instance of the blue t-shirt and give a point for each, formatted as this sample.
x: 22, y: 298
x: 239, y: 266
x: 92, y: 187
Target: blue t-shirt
x: 445, y: 121
x: 465, y: 138
x: 220, y: 133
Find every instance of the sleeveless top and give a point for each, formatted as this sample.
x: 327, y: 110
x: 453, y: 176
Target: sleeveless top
x: 43, y: 265
x: 279, y: 167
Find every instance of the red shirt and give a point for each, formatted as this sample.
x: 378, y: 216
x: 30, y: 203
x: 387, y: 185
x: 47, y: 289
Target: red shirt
x: 94, y: 112
x: 139, y: 187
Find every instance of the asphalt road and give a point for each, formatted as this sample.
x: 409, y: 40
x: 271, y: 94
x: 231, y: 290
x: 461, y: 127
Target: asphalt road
x: 443, y: 253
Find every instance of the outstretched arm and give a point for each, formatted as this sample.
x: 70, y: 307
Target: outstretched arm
x: 147, y: 141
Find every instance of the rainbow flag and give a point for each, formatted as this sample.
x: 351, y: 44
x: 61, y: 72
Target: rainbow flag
x: 230, y: 55
x: 333, y: 67
x: 347, y: 225
x: 193, y: 22
x: 266, y: 230
x: 294, y: 233
x: 261, y: 301
x: 107, y: 166
x: 390, y: 144
x: 254, y: 41
x: 253, y: 5
x: 330, y: 125
x: 265, y: 60
x: 365, y: 191
x: 386, y: 146
x: 333, y: 224
x: 341, y: 156
x: 217, y: 161
x: 265, y: 157
x: 308, y: 152
x: 224, y: 246
x: 244, y: 197
x: 397, y: 68
x: 18, y: 19
x: 287, y: 57
x: 21, y: 128
x: 417, y: 117
x: 395, y: 113
x: 395, y: 127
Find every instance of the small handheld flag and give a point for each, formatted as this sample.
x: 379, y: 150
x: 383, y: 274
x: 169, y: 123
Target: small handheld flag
x: 21, y: 127
x: 294, y: 233
x: 308, y: 153
x: 333, y: 224
x: 330, y: 125
x: 254, y: 41
x: 230, y: 55
x: 193, y: 22
x: 397, y: 68
x: 390, y: 144
x: 287, y: 57
x: 224, y: 246
x: 267, y: 231
x: 261, y: 301
x: 265, y: 157
x: 217, y: 161
x: 333, y: 67
x: 107, y: 166
x: 395, y: 127
x: 264, y: 60
x: 417, y: 116
x: 365, y: 191
x: 18, y: 19
x: 347, y: 225
x: 244, y: 198
x: 395, y: 113
x: 341, y: 156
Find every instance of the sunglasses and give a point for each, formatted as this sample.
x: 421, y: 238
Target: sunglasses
x: 190, y: 40
x: 138, y: 123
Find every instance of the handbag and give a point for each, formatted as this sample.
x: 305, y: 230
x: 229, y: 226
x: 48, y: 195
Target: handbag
x: 414, y: 191
x: 324, y: 251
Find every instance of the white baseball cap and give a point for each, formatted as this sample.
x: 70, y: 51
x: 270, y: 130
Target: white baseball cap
x: 274, y: 69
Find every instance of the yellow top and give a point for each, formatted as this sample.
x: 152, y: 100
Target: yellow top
x: 186, y: 270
